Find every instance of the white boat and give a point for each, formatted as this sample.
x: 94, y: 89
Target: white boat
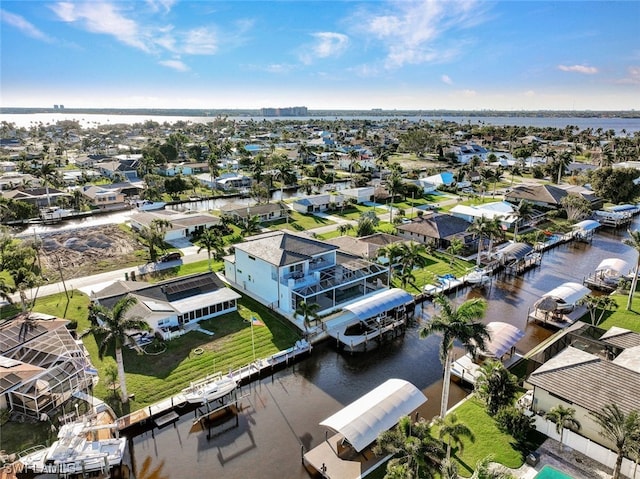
x: 53, y: 214
x: 146, y: 205
x: 477, y: 277
x: 209, y: 389
x: 83, y: 447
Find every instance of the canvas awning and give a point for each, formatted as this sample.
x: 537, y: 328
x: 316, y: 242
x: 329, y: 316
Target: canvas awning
x: 380, y: 303
x: 516, y: 251
x: 503, y: 337
x: 613, y: 266
x: 568, y: 293
x: 587, y: 225
x: 362, y: 421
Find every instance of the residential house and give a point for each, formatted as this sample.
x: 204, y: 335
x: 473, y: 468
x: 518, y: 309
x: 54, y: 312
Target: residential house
x: 174, y: 169
x: 502, y: 210
x: 316, y: 203
x: 432, y: 183
x: 9, y: 181
x: 265, y: 211
x: 437, y: 228
x: 465, y: 152
x: 359, y: 195
x: 365, y: 246
x: 41, y: 364
x: 182, y: 225
x: 39, y: 197
x: 8, y: 166
x: 175, y: 306
x: 549, y: 196
x: 105, y: 197
x: 111, y: 169
x: 282, y: 269
x: 229, y: 181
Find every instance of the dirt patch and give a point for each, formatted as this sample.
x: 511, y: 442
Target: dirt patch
x: 86, y: 251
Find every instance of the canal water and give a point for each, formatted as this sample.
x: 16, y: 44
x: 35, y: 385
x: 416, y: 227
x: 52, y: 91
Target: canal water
x: 279, y: 415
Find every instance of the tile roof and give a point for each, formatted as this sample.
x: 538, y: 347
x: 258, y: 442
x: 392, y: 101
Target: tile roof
x: 588, y: 381
x: 282, y: 248
x: 436, y: 225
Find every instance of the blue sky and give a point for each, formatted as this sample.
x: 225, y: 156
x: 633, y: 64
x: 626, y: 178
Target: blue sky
x: 402, y: 54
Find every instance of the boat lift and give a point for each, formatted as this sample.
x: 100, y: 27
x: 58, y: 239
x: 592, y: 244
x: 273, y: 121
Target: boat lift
x: 211, y: 410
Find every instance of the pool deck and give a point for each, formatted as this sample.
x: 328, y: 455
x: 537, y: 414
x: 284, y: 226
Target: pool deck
x: 570, y: 462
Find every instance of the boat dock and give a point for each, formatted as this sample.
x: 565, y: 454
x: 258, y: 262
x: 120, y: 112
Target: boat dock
x: 465, y: 369
x: 597, y: 282
x: 168, y: 410
x: 332, y: 459
x: 557, y: 320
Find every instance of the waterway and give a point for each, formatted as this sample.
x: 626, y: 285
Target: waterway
x: 280, y: 415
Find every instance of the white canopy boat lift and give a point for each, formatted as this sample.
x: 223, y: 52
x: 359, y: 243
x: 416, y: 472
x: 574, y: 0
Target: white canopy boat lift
x: 559, y: 307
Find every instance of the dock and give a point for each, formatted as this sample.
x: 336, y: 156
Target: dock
x: 168, y: 410
x: 597, y: 282
x: 331, y: 459
x: 465, y: 369
x: 559, y: 321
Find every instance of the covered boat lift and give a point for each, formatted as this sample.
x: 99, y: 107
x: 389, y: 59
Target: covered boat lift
x: 559, y: 306
x: 372, y: 318
x: 346, y: 454
x: 503, y: 338
x: 584, y: 230
x: 608, y: 274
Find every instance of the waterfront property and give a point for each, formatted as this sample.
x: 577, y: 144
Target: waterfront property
x: 175, y: 306
x: 437, y: 229
x: 608, y: 274
x: 283, y: 269
x: 41, y: 365
x: 266, y: 212
x: 347, y: 454
x: 182, y: 225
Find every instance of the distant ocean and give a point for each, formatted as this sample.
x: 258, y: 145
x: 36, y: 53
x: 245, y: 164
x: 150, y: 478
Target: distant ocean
x: 629, y: 125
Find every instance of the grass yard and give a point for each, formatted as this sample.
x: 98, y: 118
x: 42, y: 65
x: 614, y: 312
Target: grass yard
x: 354, y: 212
x: 489, y: 440
x: 438, y: 263
x: 621, y: 317
x: 299, y: 222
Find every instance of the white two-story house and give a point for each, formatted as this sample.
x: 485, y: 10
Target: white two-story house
x: 282, y: 269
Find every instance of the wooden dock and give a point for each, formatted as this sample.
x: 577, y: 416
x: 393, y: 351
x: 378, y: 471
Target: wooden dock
x: 159, y: 413
x: 595, y: 281
x: 559, y: 321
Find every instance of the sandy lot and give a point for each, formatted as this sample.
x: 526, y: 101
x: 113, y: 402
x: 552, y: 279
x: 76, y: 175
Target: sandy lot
x: 85, y: 251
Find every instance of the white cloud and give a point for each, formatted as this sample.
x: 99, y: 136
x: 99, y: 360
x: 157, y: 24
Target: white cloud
x: 157, y: 5
x: 200, y: 41
x: 177, y: 65
x: 446, y: 79
x: 412, y: 31
x: 23, y: 25
x: 633, y: 76
x: 105, y: 18
x: 584, y: 69
x: 326, y: 44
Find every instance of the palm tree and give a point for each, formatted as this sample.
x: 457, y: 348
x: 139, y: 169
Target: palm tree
x: 250, y: 225
x: 496, y: 386
x: 480, y: 228
x: 634, y: 242
x: 595, y: 303
x: 564, y: 417
x: 49, y: 175
x: 522, y: 211
x: 392, y: 251
x: 452, y: 432
x: 308, y: 311
x: 416, y: 453
x: 455, y: 247
x: 153, y: 236
x: 395, y: 186
x: 456, y: 324
x: 412, y: 254
x: 212, y: 242
x: 114, y: 329
x: 344, y: 228
x: 620, y: 429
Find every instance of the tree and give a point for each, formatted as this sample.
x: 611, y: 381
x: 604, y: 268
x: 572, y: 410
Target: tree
x: 395, y: 186
x: 576, y: 206
x: 620, y: 429
x: 49, y: 175
x: 114, y: 330
x: 153, y: 237
x: 595, y: 303
x: 308, y: 311
x: 481, y: 228
x: 496, y: 386
x: 484, y: 470
x: 634, y: 242
x: 344, y: 228
x: 452, y: 432
x: 615, y: 184
x: 416, y: 453
x: 212, y: 241
x: 365, y: 226
x: 392, y: 252
x: 412, y: 255
x: 522, y: 211
x: 564, y: 417
x: 456, y: 324
x: 250, y: 225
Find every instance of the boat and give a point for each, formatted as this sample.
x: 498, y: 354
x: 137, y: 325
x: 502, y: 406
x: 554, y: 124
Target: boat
x: 54, y: 214
x: 477, y: 278
x: 146, y: 205
x: 209, y: 389
x: 83, y: 447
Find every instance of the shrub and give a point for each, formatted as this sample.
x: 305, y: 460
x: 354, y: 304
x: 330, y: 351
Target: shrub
x: 513, y: 421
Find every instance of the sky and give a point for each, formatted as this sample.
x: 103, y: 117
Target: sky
x: 403, y: 54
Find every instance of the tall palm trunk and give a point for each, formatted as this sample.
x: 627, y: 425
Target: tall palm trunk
x: 124, y: 396
x: 446, y: 383
x: 634, y: 283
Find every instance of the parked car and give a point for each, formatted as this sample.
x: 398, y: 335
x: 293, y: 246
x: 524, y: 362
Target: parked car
x: 173, y: 256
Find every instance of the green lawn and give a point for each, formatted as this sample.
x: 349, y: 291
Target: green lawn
x: 354, y: 212
x: 621, y: 317
x: 299, y: 222
x: 438, y: 263
x: 489, y: 440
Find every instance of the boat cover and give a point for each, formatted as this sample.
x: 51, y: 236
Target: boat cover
x: 568, y: 293
x: 362, y: 421
x: 516, y: 251
x: 613, y: 266
x: 379, y: 303
x: 503, y: 337
x: 587, y: 225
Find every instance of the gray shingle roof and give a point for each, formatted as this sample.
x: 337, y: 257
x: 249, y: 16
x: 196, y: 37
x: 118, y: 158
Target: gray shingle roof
x: 588, y: 381
x: 436, y: 226
x: 282, y: 249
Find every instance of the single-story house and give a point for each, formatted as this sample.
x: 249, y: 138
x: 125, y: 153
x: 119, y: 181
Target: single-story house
x: 183, y: 225
x: 266, y: 211
x: 230, y: 181
x: 360, y: 195
x: 314, y: 203
x: 41, y: 364
x: 549, y: 196
x: 174, y: 169
x: 170, y: 306
x: 126, y: 168
x: 39, y: 197
x: 498, y: 209
x: 431, y: 183
x: 9, y: 181
x: 365, y: 246
x: 105, y: 196
x: 437, y: 228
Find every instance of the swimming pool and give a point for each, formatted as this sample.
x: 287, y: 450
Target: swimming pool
x: 548, y: 472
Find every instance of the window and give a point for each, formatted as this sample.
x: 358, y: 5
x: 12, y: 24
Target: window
x: 252, y: 258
